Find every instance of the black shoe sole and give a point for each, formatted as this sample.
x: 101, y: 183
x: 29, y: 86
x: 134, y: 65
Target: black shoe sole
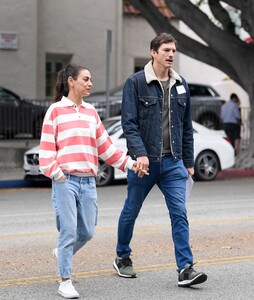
x: 122, y: 275
x: 197, y: 280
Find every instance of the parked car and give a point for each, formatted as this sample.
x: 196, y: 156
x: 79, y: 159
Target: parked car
x: 98, y: 100
x: 31, y: 165
x: 212, y: 153
x: 205, y: 104
x: 18, y: 117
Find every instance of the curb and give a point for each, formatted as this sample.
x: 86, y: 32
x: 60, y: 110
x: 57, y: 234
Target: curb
x: 232, y: 173
x: 13, y: 184
x: 9, y: 184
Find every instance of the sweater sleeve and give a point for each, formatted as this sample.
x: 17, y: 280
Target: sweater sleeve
x: 47, y: 154
x: 109, y: 153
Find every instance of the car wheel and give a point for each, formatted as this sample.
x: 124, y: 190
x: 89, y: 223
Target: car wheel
x: 206, y: 166
x: 105, y: 174
x: 210, y: 121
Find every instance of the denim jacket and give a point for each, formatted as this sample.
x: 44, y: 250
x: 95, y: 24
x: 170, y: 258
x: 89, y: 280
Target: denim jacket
x: 142, y: 116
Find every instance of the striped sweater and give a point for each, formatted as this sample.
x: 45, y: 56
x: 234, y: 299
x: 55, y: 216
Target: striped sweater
x: 73, y: 138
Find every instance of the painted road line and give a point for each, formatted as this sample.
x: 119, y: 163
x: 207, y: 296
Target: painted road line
x: 111, y: 272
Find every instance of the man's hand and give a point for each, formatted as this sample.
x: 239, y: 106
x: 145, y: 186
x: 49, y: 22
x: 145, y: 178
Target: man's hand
x: 140, y: 172
x: 142, y: 166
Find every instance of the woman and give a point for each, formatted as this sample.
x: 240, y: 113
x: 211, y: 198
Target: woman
x: 73, y: 137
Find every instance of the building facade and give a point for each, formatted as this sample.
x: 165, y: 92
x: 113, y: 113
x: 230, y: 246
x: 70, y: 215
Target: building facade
x: 39, y: 37
x: 50, y: 33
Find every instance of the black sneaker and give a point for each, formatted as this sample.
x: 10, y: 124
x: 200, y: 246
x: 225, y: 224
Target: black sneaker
x: 124, y: 268
x: 188, y: 276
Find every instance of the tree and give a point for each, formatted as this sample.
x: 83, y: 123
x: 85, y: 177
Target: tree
x: 222, y: 47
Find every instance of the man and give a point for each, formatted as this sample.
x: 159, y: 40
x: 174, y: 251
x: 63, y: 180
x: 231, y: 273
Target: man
x: 231, y: 118
x: 157, y: 124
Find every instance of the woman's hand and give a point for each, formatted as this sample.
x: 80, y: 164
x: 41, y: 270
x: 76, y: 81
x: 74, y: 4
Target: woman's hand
x: 61, y: 179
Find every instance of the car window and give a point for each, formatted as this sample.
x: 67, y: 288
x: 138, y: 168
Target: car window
x: 201, y: 90
x: 114, y: 129
x: 6, y: 95
x: 122, y: 136
x: 110, y: 126
x: 108, y: 123
x: 117, y: 92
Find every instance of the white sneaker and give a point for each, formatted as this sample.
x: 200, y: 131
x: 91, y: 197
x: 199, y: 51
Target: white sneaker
x: 67, y: 290
x: 55, y: 253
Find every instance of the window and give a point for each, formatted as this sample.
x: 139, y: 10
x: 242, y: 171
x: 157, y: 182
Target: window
x: 54, y: 63
x: 140, y: 63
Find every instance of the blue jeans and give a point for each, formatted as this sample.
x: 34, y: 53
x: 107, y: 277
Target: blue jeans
x: 75, y: 204
x: 171, y: 178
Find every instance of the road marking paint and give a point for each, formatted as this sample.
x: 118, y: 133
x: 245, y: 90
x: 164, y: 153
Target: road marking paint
x: 20, y: 235
x: 111, y: 272
x: 28, y: 215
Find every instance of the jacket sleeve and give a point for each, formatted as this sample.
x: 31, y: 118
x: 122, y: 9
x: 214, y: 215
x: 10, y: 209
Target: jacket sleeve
x: 130, y: 120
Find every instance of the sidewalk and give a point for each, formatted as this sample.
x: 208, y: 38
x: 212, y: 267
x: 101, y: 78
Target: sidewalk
x: 14, y: 177
x: 234, y: 173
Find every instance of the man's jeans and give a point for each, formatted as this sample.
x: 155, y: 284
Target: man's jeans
x: 75, y: 204
x: 171, y: 178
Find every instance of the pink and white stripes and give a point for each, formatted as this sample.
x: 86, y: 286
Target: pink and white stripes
x: 73, y: 138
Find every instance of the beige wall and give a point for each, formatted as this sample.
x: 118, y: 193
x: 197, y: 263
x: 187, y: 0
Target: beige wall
x: 78, y: 28
x: 18, y: 67
x: 58, y: 26
x: 136, y: 42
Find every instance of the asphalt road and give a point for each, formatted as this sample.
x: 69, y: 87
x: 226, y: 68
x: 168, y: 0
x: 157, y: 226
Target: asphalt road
x: 222, y: 238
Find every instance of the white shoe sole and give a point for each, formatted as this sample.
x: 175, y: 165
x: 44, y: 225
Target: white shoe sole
x: 197, y: 280
x: 67, y: 296
x: 123, y: 275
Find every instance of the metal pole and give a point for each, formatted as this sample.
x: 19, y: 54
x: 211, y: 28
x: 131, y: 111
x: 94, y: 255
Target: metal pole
x: 108, y: 51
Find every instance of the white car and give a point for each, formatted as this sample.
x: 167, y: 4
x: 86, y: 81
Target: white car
x: 212, y: 153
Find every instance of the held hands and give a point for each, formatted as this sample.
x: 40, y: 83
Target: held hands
x: 140, y: 167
